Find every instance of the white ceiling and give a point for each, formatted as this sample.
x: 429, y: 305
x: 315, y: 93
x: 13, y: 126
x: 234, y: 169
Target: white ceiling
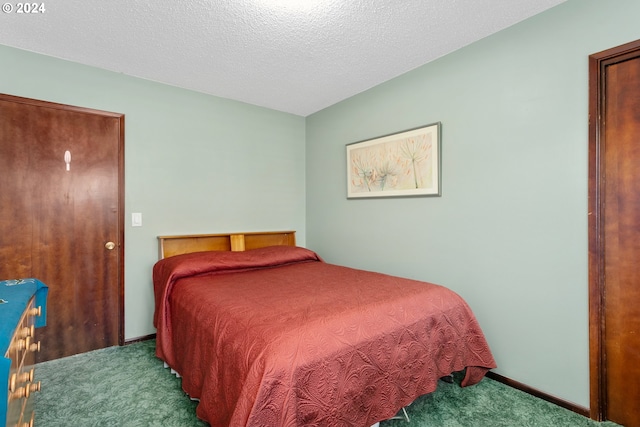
x: 293, y: 56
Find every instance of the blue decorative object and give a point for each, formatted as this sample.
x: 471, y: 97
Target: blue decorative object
x: 15, y: 296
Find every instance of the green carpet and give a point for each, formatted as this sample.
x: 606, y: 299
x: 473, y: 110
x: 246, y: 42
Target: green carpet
x: 128, y: 386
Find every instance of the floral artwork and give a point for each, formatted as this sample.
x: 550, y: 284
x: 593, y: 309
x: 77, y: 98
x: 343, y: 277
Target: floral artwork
x: 402, y: 164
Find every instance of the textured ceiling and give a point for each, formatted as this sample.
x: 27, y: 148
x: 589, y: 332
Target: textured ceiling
x: 293, y: 56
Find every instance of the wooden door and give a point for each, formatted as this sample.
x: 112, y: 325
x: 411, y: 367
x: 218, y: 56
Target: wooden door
x: 55, y: 223
x: 615, y: 234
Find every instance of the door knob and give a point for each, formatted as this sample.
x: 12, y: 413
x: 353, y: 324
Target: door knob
x: 110, y: 245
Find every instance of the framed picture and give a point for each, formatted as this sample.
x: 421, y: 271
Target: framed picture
x: 401, y: 164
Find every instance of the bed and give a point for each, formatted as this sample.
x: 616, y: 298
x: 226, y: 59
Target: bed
x: 265, y: 333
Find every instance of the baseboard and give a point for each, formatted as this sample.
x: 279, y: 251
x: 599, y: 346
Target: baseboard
x: 139, y: 339
x: 539, y: 394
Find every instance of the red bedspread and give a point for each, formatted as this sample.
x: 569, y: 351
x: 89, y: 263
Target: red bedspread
x: 276, y: 337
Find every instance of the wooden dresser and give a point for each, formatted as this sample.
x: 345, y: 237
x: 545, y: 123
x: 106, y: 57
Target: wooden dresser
x: 22, y: 310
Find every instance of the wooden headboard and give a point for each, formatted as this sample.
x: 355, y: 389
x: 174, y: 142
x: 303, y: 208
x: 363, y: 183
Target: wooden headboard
x: 176, y: 245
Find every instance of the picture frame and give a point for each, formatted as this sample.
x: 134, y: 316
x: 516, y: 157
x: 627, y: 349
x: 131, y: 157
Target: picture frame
x: 403, y: 164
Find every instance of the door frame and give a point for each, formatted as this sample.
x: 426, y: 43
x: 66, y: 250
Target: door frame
x: 598, y: 63
x: 120, y: 223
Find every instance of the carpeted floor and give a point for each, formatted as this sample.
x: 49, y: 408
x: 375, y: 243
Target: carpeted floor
x: 129, y: 387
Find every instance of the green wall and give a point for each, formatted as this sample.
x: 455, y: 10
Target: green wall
x: 510, y: 230
x: 193, y: 163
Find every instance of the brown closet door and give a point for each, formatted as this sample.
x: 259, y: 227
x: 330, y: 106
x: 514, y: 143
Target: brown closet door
x: 619, y: 253
x: 622, y: 241
x: 55, y: 223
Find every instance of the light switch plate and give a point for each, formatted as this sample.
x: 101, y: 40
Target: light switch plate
x: 136, y: 219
